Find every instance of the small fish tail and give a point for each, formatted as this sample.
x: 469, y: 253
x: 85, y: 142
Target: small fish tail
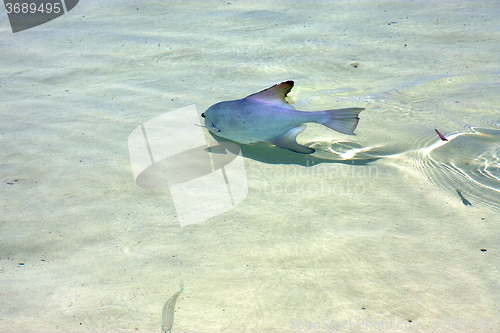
x: 341, y: 120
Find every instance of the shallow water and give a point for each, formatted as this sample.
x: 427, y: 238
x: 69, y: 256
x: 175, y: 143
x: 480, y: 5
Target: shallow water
x: 392, y: 226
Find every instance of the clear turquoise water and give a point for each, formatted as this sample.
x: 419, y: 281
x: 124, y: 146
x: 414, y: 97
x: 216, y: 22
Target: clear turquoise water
x: 370, y: 230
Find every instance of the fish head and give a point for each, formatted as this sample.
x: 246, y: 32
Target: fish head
x: 211, y: 119
x: 214, y: 117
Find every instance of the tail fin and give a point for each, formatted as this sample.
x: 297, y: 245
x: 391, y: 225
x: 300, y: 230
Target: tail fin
x: 342, y: 120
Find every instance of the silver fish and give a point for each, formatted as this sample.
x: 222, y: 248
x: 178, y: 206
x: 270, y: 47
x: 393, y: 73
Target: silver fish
x: 267, y: 116
x: 167, y: 313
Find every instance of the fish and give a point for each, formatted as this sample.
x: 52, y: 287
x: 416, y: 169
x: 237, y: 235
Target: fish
x: 464, y: 201
x: 167, y: 313
x: 441, y: 136
x: 267, y: 116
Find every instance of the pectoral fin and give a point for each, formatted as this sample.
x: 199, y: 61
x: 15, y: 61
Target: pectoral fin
x: 288, y: 141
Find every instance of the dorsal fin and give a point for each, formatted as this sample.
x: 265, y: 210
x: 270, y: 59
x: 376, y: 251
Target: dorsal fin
x: 276, y: 94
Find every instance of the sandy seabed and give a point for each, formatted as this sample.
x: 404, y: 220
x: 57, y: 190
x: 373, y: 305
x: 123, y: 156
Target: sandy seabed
x: 375, y: 242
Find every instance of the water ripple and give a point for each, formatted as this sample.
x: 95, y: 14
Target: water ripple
x: 468, y: 164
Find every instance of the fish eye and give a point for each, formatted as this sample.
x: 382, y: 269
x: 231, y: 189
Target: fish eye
x: 203, y: 115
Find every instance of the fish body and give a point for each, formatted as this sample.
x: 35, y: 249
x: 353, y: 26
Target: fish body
x: 267, y: 116
x: 167, y: 313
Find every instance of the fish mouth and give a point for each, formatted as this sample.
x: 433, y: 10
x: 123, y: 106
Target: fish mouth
x: 213, y: 125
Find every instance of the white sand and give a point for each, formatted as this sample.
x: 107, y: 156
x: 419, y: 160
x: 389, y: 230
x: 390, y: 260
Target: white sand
x: 102, y: 254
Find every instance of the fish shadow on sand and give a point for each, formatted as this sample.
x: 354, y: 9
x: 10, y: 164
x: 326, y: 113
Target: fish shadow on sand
x: 266, y: 153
